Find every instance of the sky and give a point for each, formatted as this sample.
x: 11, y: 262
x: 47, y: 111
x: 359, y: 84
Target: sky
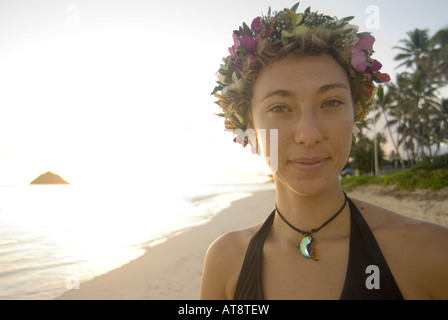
x: 100, y: 91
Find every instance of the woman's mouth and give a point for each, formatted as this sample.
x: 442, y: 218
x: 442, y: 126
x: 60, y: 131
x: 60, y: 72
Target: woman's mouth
x: 309, y: 164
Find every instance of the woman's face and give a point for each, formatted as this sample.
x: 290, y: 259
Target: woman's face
x: 308, y: 99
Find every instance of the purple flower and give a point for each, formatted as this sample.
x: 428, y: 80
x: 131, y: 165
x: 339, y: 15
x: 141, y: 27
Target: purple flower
x: 376, y: 65
x: 256, y: 25
x: 249, y: 43
x: 365, y: 43
x: 234, y: 49
x: 358, y: 60
x: 235, y: 39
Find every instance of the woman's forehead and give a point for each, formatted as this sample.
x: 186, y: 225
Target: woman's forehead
x: 296, y: 73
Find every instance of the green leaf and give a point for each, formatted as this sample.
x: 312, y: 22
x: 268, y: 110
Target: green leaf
x: 380, y: 93
x: 295, y: 18
x: 285, y: 34
x: 347, y: 19
x: 239, y: 117
x: 217, y: 88
x: 294, y: 7
x: 299, y: 30
x: 229, y: 64
x: 224, y: 72
x: 307, y: 11
x: 362, y: 34
x: 247, y: 30
x: 299, y: 18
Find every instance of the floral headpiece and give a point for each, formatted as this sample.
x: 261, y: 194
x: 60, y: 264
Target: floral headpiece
x: 279, y: 29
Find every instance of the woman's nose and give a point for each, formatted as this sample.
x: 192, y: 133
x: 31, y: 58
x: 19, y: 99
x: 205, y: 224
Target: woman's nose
x: 308, y: 131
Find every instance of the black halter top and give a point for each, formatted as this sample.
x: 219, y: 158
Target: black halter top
x: 363, y: 252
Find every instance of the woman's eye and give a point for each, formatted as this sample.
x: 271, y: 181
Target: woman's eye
x: 331, y: 103
x: 279, y: 109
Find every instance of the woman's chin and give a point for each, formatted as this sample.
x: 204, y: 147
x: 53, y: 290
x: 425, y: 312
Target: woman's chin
x: 306, y: 186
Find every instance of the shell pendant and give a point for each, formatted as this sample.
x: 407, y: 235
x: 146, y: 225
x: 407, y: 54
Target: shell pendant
x: 304, y: 247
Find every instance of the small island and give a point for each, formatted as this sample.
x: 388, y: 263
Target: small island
x: 49, y: 178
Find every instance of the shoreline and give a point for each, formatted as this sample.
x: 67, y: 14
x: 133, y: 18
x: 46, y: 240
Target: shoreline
x: 172, y: 269
x: 159, y: 275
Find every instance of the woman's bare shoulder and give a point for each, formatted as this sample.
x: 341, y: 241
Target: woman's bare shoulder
x: 382, y: 219
x: 232, y: 245
x: 223, y: 262
x: 416, y: 249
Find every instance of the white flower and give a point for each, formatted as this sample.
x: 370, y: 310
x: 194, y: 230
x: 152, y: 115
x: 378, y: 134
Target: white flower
x: 221, y: 78
x: 351, y: 28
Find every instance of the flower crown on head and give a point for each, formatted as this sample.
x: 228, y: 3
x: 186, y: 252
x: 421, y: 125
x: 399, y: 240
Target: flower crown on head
x: 279, y: 29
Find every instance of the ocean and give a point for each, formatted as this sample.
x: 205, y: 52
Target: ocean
x: 54, y: 236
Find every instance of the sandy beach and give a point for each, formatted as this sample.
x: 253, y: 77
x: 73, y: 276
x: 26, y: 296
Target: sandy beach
x: 172, y: 269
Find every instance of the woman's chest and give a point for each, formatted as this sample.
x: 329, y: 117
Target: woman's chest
x: 286, y: 274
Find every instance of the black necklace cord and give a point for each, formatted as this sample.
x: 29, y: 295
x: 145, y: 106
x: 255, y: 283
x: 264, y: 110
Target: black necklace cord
x: 305, y: 233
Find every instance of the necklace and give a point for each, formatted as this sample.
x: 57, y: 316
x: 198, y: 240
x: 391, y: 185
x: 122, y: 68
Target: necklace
x: 305, y: 243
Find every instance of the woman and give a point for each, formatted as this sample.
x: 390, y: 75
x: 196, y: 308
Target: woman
x: 307, y: 78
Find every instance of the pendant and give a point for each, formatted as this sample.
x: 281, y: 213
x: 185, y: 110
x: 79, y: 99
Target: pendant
x: 304, y: 247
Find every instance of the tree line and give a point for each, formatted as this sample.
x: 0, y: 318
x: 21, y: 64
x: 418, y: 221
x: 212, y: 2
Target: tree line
x: 411, y: 106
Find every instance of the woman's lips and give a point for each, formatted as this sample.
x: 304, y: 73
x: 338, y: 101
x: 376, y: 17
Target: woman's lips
x: 309, y: 164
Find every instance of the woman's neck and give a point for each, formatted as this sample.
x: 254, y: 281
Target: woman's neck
x: 307, y: 211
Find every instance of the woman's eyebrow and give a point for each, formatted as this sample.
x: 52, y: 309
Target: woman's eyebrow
x: 287, y: 93
x: 330, y: 86
x: 281, y: 93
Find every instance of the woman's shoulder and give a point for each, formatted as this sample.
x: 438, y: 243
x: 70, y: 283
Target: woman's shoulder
x: 232, y: 244
x: 415, y: 249
x: 223, y: 262
x: 383, y: 220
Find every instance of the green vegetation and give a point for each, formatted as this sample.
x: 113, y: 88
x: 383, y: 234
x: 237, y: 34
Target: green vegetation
x: 424, y: 175
x: 418, y: 179
x: 351, y: 182
x: 362, y: 153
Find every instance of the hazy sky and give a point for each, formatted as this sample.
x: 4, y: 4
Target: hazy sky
x: 90, y: 89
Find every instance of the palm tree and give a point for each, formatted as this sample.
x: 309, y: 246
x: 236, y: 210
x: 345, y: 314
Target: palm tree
x: 439, y: 43
x: 415, y: 49
x: 383, y: 103
x: 411, y: 106
x: 421, y: 55
x: 440, y: 125
x: 402, y: 117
